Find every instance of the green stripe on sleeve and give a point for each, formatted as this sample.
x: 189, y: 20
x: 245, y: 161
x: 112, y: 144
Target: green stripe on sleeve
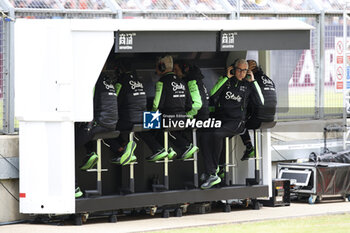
x: 159, y: 89
x: 118, y: 87
x: 196, y: 98
x: 219, y: 84
x: 259, y: 92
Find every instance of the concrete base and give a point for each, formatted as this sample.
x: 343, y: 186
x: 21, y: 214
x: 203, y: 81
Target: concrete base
x: 9, y: 206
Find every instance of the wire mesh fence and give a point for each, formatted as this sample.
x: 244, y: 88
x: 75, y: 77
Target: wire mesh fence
x: 184, y: 5
x: 333, y: 99
x: 294, y: 73
x: 2, y: 70
x: 302, y: 83
x: 277, y: 6
x: 60, y: 4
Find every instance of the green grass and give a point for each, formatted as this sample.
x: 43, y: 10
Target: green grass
x: 319, y: 224
x: 301, y: 102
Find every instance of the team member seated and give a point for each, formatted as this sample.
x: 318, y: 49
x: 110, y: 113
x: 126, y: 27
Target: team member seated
x: 229, y: 96
x: 131, y: 105
x: 105, y: 120
x: 172, y: 99
x: 256, y: 114
x: 193, y: 77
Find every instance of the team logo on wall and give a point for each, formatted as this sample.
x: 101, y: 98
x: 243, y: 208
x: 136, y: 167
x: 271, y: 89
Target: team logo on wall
x: 126, y: 40
x: 151, y: 120
x: 228, y: 40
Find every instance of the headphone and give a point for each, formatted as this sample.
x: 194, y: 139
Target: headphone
x: 183, y: 68
x: 234, y: 66
x: 161, y: 66
x: 182, y: 65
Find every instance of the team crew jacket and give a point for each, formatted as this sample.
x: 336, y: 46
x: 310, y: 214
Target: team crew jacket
x: 267, y: 111
x: 105, y: 103
x: 199, y: 94
x: 172, y: 96
x: 131, y: 98
x: 230, y: 97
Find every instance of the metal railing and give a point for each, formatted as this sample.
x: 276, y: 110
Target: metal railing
x: 3, y: 70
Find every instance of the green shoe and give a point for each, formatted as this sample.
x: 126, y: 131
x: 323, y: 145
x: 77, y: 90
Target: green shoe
x: 189, y: 152
x: 211, y: 181
x: 158, y: 156
x: 129, y: 151
x: 90, y: 161
x: 133, y: 159
x: 116, y: 160
x: 78, y: 193
x: 171, y: 153
x: 248, y: 154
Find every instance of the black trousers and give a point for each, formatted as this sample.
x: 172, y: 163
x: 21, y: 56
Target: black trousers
x: 252, y: 123
x: 125, y: 127
x: 212, y: 143
x: 84, y: 135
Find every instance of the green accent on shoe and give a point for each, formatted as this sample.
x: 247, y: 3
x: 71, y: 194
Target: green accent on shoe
x: 190, y: 153
x: 133, y: 159
x: 222, y: 174
x: 217, y: 170
x: 78, y: 193
x: 208, y: 185
x: 248, y: 154
x: 117, y: 160
x: 92, y: 161
x: 158, y: 156
x: 129, y: 151
x: 251, y: 154
x: 171, y: 153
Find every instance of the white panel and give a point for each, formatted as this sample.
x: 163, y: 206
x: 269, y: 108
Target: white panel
x: 47, y: 167
x: 243, y: 169
x: 90, y: 52
x: 266, y: 159
x: 186, y: 25
x: 56, y: 70
x: 41, y: 63
x: 58, y: 85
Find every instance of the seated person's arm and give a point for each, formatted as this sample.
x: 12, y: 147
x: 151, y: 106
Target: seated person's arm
x: 215, y: 92
x: 196, y: 100
x: 159, y: 98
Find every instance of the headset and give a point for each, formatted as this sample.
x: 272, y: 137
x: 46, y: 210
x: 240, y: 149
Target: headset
x: 234, y: 66
x: 161, y: 66
x: 182, y: 65
x: 183, y: 68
